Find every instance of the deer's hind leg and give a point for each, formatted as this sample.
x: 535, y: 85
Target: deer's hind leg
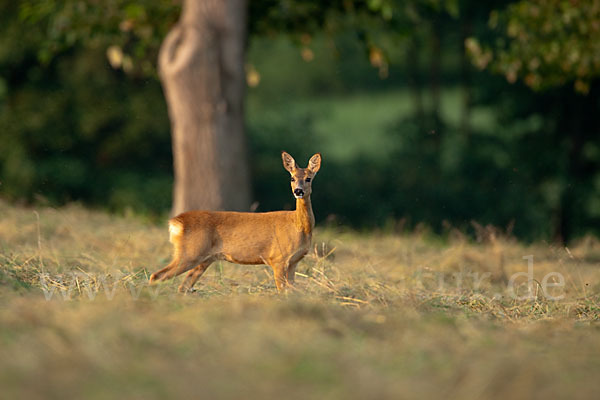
x: 178, y: 266
x: 185, y: 256
x: 164, y: 273
x: 193, y: 276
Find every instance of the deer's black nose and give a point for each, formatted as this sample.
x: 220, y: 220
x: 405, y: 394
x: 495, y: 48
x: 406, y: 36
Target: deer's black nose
x: 299, y: 192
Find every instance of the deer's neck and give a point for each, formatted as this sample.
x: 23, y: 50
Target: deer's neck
x: 305, y: 219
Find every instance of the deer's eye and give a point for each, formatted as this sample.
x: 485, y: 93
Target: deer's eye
x: 293, y: 179
x: 308, y: 179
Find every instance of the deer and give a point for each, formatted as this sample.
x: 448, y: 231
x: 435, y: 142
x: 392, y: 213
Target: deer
x: 279, y: 239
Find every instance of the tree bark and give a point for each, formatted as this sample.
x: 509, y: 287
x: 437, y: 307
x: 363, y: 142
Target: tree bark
x: 574, y: 126
x: 201, y: 66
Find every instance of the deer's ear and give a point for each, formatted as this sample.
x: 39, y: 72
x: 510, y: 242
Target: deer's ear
x: 288, y: 162
x: 314, y: 164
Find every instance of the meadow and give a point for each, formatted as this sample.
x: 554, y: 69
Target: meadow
x: 373, y: 315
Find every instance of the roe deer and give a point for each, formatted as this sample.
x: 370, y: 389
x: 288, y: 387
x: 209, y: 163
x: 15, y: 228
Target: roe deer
x: 279, y: 239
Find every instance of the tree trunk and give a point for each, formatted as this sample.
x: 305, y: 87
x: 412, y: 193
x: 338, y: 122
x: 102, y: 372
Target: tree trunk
x: 201, y: 64
x: 573, y: 174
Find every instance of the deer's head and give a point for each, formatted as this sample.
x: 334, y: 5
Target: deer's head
x: 301, y: 177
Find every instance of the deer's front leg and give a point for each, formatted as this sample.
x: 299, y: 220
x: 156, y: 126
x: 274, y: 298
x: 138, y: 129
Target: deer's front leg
x: 280, y: 275
x: 291, y: 273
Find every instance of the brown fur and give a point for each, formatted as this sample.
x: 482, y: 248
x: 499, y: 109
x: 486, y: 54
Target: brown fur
x: 279, y: 239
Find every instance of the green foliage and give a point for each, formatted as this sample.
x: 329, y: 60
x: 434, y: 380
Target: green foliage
x: 76, y: 129
x: 133, y: 30
x: 410, y: 132
x: 546, y: 43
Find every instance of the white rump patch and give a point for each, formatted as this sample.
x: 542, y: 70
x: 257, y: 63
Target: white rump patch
x: 175, y: 229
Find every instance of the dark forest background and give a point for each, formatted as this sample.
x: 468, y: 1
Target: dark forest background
x: 438, y: 113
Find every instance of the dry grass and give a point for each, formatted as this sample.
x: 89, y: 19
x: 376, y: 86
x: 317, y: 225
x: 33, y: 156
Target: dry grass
x: 374, y: 316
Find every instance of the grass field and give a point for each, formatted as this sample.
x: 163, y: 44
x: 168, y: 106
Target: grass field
x: 373, y: 316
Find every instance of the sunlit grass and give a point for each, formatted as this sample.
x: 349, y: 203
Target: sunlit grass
x: 373, y: 316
